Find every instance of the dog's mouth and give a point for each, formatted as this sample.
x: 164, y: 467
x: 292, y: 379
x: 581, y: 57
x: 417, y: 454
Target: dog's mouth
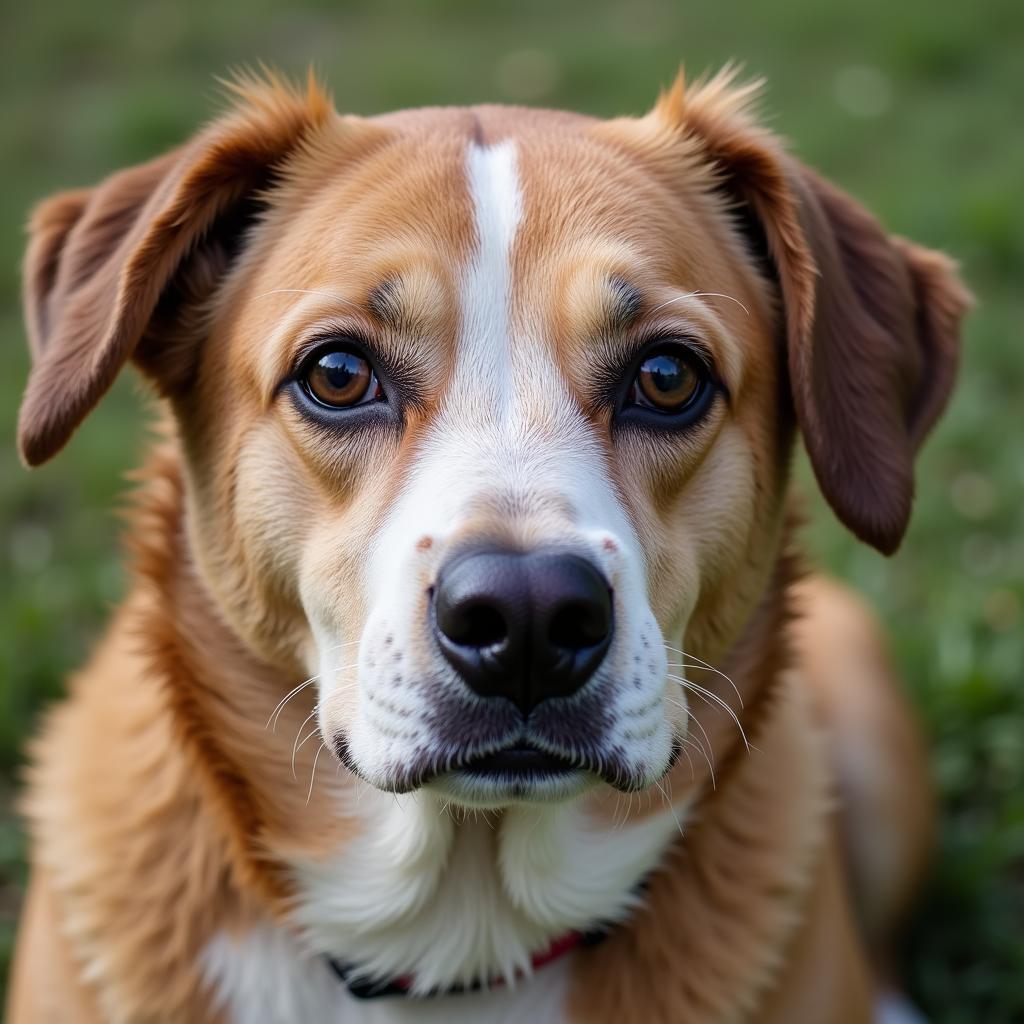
x: 518, y: 763
x: 520, y: 769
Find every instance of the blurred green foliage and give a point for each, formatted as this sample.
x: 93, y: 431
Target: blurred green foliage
x: 914, y: 106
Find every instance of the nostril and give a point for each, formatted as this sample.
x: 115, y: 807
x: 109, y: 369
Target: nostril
x: 578, y: 625
x: 479, y: 625
x: 469, y: 620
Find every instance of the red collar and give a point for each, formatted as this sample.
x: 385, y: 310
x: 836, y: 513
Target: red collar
x: 363, y: 988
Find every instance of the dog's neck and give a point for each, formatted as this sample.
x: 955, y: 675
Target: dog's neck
x: 405, y: 886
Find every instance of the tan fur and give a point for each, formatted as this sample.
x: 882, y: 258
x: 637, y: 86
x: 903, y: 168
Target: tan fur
x: 878, y: 749
x: 162, y: 808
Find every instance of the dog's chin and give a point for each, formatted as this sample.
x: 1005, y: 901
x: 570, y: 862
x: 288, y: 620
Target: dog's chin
x: 493, y: 790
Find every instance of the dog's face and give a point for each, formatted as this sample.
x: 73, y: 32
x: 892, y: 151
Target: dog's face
x: 486, y: 415
x: 499, y: 444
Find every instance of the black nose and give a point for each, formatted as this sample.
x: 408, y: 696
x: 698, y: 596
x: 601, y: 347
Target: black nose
x: 523, y: 626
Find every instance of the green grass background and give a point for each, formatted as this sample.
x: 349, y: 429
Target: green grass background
x: 916, y: 107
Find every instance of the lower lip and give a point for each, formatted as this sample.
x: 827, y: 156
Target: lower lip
x: 518, y: 763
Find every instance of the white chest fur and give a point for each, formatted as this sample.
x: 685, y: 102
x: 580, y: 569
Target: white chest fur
x: 418, y: 893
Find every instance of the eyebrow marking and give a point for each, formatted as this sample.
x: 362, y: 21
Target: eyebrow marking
x: 385, y: 303
x: 625, y: 306
x: 408, y: 302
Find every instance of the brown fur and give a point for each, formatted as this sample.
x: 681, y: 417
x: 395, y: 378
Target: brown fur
x: 156, y: 799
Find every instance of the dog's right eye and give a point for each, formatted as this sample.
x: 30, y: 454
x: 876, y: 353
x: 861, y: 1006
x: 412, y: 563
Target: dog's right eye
x: 340, y: 378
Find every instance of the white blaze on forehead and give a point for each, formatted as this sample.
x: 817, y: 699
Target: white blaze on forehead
x: 509, y: 424
x: 484, y: 353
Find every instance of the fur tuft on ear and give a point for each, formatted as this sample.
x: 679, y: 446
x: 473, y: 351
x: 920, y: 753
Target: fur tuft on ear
x: 722, y: 100
x: 99, y: 260
x: 872, y: 322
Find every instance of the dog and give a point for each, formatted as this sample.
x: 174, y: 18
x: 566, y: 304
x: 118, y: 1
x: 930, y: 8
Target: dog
x: 468, y: 670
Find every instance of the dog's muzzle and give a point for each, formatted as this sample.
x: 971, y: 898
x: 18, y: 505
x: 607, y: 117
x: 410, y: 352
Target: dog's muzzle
x: 523, y: 626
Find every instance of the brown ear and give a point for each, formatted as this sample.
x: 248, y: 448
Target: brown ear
x: 876, y: 368
x: 100, y: 260
x: 872, y: 322
x: 48, y: 231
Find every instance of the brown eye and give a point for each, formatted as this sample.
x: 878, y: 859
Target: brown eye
x: 666, y: 382
x: 341, y: 378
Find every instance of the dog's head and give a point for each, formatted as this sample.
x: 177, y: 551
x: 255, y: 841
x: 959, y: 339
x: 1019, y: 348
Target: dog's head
x: 486, y: 413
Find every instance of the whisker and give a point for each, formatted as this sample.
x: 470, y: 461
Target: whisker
x: 671, y: 809
x: 308, y: 291
x: 711, y: 698
x: 629, y: 810
x: 722, y: 295
x: 275, y: 715
x: 708, y: 752
x: 707, y: 666
x: 313, y: 773
x: 298, y: 733
x: 272, y: 720
x: 690, y: 740
x: 689, y: 760
x: 699, y: 294
x: 704, y: 733
x: 347, y: 643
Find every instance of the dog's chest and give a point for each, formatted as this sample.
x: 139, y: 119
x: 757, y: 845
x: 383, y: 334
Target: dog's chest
x: 416, y: 895
x: 264, y: 978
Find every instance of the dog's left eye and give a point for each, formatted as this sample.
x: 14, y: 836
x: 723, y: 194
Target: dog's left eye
x: 670, y: 381
x: 340, y: 377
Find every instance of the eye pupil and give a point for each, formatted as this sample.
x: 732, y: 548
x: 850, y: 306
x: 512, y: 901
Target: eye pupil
x: 339, y: 369
x: 340, y: 378
x: 666, y: 382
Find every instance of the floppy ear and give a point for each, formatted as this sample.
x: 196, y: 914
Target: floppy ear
x: 99, y: 261
x: 876, y: 366
x: 872, y: 322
